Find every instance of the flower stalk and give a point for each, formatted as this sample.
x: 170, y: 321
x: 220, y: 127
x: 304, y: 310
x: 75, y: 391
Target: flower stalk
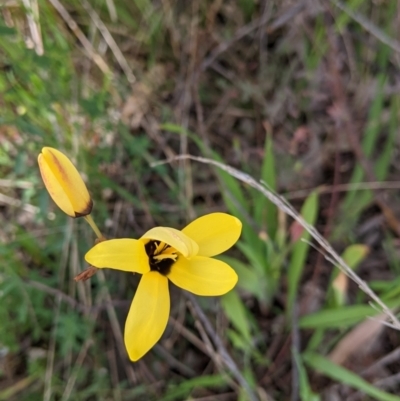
x: 92, y: 224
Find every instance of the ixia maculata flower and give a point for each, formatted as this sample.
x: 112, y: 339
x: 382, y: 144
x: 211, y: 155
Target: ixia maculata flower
x: 162, y: 254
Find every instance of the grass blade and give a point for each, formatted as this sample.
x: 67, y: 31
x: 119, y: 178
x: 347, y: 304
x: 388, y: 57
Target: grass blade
x: 300, y: 248
x: 342, y: 375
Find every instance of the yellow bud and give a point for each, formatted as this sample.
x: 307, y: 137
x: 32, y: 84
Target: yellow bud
x: 64, y: 183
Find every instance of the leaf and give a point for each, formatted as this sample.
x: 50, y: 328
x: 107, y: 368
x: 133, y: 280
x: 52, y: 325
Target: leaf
x: 300, y: 248
x: 357, y: 339
x: 345, y: 376
x: 183, y: 390
x: 352, y: 255
x: 237, y: 313
x: 336, y: 318
x: 306, y: 393
x: 249, y: 280
x: 6, y: 31
x: 247, y: 7
x: 355, y: 201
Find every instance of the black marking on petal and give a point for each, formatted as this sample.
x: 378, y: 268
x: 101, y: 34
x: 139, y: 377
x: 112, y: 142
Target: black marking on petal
x: 86, y: 211
x: 162, y: 266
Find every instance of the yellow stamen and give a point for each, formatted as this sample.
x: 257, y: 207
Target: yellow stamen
x: 169, y: 251
x: 160, y: 248
x: 163, y: 256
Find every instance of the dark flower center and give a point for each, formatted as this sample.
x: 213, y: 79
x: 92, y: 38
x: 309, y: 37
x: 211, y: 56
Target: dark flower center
x: 161, y: 256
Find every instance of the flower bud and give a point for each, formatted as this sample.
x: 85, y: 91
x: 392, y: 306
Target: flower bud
x: 64, y: 183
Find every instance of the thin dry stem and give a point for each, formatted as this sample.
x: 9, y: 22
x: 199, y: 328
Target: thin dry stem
x: 282, y: 204
x: 98, y: 60
x: 175, y: 363
x: 16, y: 184
x: 357, y: 186
x: 116, y: 328
x: 112, y: 44
x: 75, y: 268
x: 72, y: 302
x: 222, y: 351
x: 368, y: 26
x: 79, y: 361
x: 47, y: 395
x: 258, y: 23
x: 8, y: 200
x: 112, y: 10
x: 182, y: 330
x: 32, y: 16
x: 82, y: 354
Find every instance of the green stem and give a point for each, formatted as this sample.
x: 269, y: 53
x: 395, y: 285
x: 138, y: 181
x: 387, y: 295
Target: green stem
x: 94, y: 227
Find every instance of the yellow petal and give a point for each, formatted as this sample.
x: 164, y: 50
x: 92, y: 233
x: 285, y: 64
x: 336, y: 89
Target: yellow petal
x: 148, y: 315
x: 214, y: 232
x: 175, y: 238
x: 64, y: 183
x: 122, y: 254
x: 203, y: 276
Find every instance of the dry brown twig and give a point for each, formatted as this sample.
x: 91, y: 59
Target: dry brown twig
x: 286, y: 207
x: 246, y: 30
x: 32, y: 16
x: 116, y: 328
x: 360, y: 186
x: 368, y: 26
x: 8, y: 200
x: 112, y: 44
x: 223, y: 353
x: 72, y: 302
x: 98, y: 60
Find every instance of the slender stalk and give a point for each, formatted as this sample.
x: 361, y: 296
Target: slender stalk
x: 225, y: 356
x: 94, y: 227
x: 285, y: 206
x: 91, y: 270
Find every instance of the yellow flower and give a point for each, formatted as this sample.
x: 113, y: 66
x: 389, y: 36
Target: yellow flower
x: 163, y: 253
x: 64, y: 183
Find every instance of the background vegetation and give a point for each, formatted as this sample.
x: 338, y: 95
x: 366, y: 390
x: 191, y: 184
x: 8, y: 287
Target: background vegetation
x: 301, y: 94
